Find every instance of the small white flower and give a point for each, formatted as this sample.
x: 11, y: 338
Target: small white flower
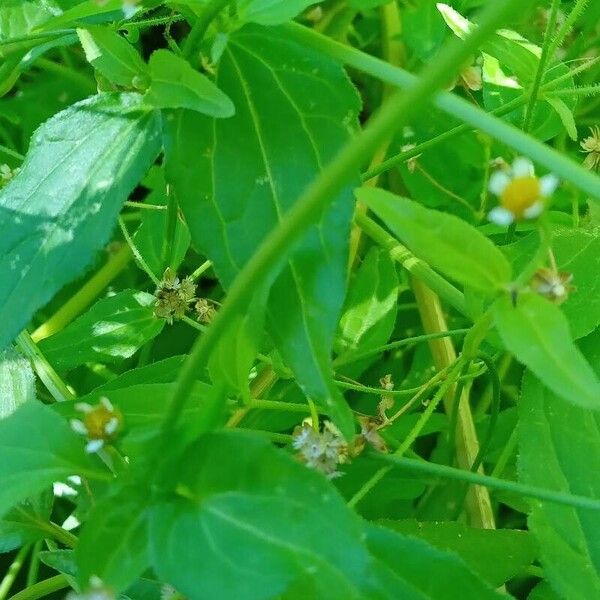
x: 522, y: 195
x: 99, y: 423
x: 96, y: 591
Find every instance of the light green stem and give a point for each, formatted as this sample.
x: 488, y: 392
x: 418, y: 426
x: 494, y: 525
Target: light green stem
x: 459, y: 108
x: 211, y: 10
x: 13, y: 571
x: 396, y: 112
x: 530, y: 491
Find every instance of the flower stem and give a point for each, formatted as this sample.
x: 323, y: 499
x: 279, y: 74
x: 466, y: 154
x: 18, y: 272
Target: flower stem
x: 13, y: 571
x: 42, y: 588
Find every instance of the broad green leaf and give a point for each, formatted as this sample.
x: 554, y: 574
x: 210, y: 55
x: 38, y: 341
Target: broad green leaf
x: 20, y: 17
x: 113, y: 56
x: 430, y: 572
x: 537, y: 333
x: 25, y: 522
x: 111, y: 330
x: 176, y: 85
x: 371, y: 306
x: 559, y: 448
x: 495, y: 555
x: 575, y: 252
x: 61, y: 207
x: 251, y: 522
x: 113, y: 543
x: 282, y: 92
x: 423, y: 28
x: 37, y: 448
x: 446, y: 242
x: 17, y: 381
x: 62, y: 561
x: 271, y: 12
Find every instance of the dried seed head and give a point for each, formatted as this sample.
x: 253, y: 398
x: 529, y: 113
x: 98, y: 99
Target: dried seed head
x: 205, y: 310
x: 321, y: 450
x: 591, y: 145
x: 173, y: 296
x: 552, y: 285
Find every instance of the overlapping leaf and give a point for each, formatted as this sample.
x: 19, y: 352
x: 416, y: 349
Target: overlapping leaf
x: 61, y: 207
x: 235, y: 179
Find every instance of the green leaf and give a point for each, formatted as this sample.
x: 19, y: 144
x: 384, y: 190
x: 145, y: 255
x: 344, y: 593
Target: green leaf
x: 444, y: 241
x: 176, y: 85
x: 38, y: 448
x: 537, y: 333
x: 495, y: 555
x: 17, y: 381
x: 575, y: 252
x: 21, y: 524
x: 282, y: 91
x: 566, y: 116
x: 271, y: 12
x: 252, y: 523
x: 113, y: 56
x: 62, y: 205
x: 431, y: 573
x: 371, y: 306
x: 559, y: 447
x: 113, y: 544
x: 111, y: 330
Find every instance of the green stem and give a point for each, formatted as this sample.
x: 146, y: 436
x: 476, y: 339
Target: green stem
x: 506, y: 453
x: 13, y: 571
x: 12, y: 153
x: 43, y: 588
x: 584, y: 90
x: 211, y: 10
x: 459, y: 108
x: 49, y: 377
x: 205, y: 266
x: 277, y: 405
x: 395, y: 113
x: 412, y: 264
x: 345, y: 359
x: 541, y: 68
x: 138, y: 256
x: 73, y: 307
x: 34, y: 564
x: 488, y: 481
x: 576, y: 11
x: 170, y: 230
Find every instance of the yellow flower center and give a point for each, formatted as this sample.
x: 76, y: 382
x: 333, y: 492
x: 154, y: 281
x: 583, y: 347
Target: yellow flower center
x: 520, y: 194
x: 97, y: 419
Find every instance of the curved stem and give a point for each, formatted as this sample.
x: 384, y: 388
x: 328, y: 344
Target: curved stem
x: 201, y: 25
x: 42, y: 588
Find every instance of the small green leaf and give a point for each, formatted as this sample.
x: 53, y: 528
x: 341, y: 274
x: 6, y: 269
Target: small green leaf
x: 61, y: 207
x: 21, y: 525
x: 17, y: 381
x: 446, y: 242
x: 430, y: 572
x: 566, y: 116
x: 111, y: 330
x: 371, y: 305
x: 113, y: 56
x: 495, y: 555
x: 38, y: 448
x: 559, y: 449
x: 271, y: 12
x: 176, y: 85
x: 537, y: 333
x: 251, y: 522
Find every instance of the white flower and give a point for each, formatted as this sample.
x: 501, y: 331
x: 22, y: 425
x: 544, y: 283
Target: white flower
x: 520, y: 192
x: 321, y: 450
x: 99, y: 423
x: 96, y: 591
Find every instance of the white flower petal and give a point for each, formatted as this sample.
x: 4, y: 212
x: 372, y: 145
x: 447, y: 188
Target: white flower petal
x: 548, y: 183
x: 498, y: 182
x: 535, y: 210
x: 78, y: 426
x: 522, y: 167
x: 501, y: 216
x: 111, y: 426
x: 84, y: 407
x: 93, y: 446
x: 107, y: 404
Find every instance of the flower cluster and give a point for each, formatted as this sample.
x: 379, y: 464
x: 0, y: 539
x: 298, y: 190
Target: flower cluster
x: 205, y: 310
x: 522, y: 195
x: 321, y: 450
x: 96, y: 591
x: 591, y: 145
x: 173, y: 296
x: 99, y: 423
x: 552, y: 285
